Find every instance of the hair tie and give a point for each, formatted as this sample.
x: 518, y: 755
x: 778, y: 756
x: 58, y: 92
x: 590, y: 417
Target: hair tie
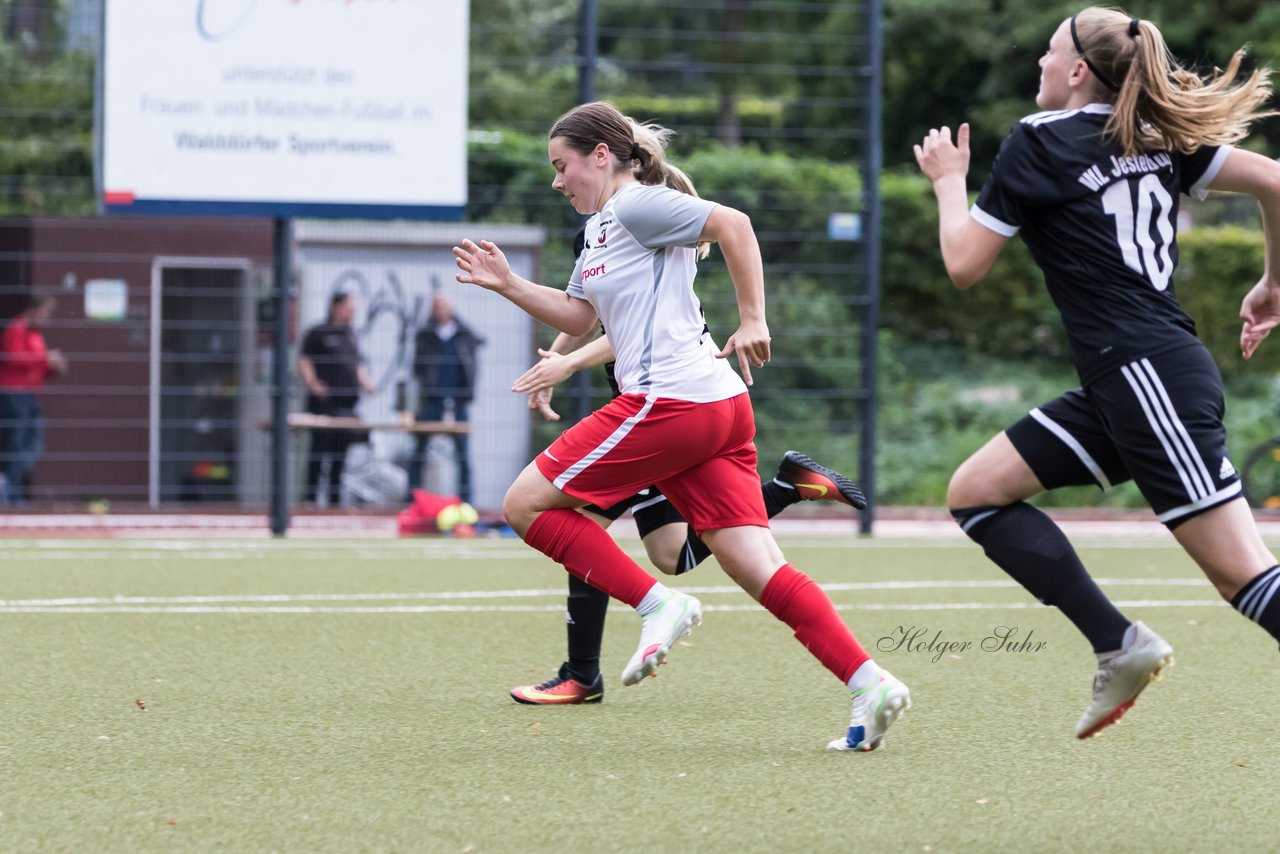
x: 1102, y: 78
x: 1133, y: 27
x: 636, y: 151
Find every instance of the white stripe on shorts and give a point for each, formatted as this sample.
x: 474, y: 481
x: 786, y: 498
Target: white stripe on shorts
x: 1071, y: 442
x: 1218, y: 497
x: 1164, y: 422
x: 606, y: 446
x: 648, y: 502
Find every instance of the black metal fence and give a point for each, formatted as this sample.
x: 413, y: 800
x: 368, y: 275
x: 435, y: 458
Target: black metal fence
x: 167, y: 324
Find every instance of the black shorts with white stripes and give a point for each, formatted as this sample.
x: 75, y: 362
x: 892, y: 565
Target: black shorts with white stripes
x: 1156, y: 420
x: 649, y: 507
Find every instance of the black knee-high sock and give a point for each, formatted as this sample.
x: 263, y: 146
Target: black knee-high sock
x: 1259, y: 600
x: 1032, y: 549
x: 776, y: 499
x: 587, y: 608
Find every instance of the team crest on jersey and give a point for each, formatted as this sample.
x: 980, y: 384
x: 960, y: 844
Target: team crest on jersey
x: 602, y: 239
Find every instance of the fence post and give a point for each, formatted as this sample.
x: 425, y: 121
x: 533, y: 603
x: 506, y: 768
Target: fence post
x: 871, y: 258
x: 282, y: 235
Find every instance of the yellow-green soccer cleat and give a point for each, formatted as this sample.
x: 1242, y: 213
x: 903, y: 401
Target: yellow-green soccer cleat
x: 815, y: 482
x: 560, y: 690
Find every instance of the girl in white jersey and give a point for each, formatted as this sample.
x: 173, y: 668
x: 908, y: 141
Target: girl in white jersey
x: 683, y: 421
x: 1092, y: 184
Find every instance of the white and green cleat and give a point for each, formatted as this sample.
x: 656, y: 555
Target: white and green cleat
x: 874, y: 710
x: 674, y: 619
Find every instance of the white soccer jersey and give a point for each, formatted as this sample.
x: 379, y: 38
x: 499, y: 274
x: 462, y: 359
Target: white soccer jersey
x: 637, y: 270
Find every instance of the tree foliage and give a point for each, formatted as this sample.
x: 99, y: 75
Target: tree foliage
x: 949, y: 61
x: 46, y: 105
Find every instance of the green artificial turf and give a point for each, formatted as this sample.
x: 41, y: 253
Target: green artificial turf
x: 308, y: 695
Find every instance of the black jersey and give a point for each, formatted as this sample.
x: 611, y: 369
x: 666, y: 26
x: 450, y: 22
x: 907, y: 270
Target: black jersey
x: 1102, y: 227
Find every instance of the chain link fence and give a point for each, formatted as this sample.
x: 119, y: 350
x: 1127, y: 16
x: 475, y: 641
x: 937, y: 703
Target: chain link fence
x: 166, y: 323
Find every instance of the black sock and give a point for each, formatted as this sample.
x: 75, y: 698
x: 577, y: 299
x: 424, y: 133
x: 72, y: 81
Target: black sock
x: 587, y: 608
x: 776, y: 499
x: 1026, y: 544
x: 1259, y: 600
x: 695, y: 551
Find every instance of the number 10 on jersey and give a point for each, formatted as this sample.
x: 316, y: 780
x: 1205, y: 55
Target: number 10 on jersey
x: 1144, y: 231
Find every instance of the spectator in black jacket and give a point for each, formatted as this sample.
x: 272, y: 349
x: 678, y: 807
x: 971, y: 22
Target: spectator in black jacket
x: 335, y: 375
x: 445, y: 366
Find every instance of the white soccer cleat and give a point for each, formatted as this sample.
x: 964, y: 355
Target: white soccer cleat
x: 674, y: 619
x: 874, y: 710
x: 1121, y: 677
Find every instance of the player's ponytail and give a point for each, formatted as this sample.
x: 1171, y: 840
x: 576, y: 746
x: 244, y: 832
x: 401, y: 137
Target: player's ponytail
x: 641, y: 148
x: 651, y: 167
x: 1159, y: 104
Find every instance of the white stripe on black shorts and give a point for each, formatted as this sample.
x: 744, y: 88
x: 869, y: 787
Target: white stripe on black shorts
x: 1157, y: 421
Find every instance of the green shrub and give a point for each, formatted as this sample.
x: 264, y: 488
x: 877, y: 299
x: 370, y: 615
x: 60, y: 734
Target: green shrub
x: 1216, y: 268
x: 1008, y: 314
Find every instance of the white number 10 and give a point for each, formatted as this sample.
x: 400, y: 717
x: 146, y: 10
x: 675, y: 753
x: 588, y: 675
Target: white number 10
x: 1133, y: 233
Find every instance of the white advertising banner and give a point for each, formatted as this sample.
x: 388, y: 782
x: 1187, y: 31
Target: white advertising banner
x: 353, y: 108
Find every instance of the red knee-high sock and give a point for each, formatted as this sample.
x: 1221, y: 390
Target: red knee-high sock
x: 589, y: 553
x: 794, y: 598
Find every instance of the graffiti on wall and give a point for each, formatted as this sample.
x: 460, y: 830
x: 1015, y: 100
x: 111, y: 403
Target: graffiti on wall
x: 387, y: 318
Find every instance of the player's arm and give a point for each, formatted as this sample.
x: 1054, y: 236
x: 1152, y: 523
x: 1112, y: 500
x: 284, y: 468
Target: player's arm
x: 556, y: 367
x: 484, y: 264
x: 1258, y: 176
x: 566, y: 343
x: 566, y: 357
x: 732, y: 230
x: 968, y: 247
x: 365, y: 379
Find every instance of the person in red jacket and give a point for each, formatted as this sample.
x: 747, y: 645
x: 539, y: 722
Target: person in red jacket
x: 25, y: 363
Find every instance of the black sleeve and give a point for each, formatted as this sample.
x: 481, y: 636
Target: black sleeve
x: 420, y: 352
x: 1017, y: 181
x: 1201, y: 167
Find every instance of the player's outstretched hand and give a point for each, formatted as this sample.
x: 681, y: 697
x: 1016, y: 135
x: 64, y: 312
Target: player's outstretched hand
x: 552, y: 370
x: 541, y: 401
x: 1260, y: 312
x: 938, y: 157
x: 482, y: 264
x: 751, y: 343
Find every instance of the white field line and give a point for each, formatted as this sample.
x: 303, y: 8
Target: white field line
x: 52, y: 548
x: 272, y: 598
x: 495, y: 609
x: 285, y: 603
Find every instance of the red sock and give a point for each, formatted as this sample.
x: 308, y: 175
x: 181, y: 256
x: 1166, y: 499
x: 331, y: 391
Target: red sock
x: 589, y: 553
x: 794, y: 598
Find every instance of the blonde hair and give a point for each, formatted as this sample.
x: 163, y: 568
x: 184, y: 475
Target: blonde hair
x: 640, y: 147
x: 1160, y: 104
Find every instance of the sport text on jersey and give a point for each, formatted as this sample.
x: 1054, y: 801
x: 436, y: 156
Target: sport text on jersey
x: 1095, y: 179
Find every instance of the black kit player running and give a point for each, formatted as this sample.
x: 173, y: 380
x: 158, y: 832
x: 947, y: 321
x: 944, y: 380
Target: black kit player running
x: 1092, y: 186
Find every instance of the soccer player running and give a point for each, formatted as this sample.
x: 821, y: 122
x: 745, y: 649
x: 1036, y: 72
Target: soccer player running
x: 671, y: 545
x: 684, y: 420
x: 1092, y: 185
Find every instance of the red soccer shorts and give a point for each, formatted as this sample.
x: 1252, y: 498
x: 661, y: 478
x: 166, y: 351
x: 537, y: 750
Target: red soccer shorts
x: 701, y: 456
